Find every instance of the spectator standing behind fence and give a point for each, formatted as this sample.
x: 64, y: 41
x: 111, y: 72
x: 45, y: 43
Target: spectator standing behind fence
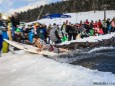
x: 5, y: 36
x: 41, y: 32
x: 48, y: 33
x: 1, y: 38
x: 104, y: 26
x: 113, y: 25
x: 54, y: 36
x: 71, y: 32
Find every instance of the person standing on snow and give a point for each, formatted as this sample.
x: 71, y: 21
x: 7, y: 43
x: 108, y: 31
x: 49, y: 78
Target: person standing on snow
x: 104, y: 26
x: 87, y: 26
x: 41, y: 32
x: 113, y: 25
x: 48, y: 33
x: 17, y: 36
x: 1, y: 38
x: 108, y: 25
x: 64, y: 33
x: 5, y: 44
x: 72, y: 33
x: 15, y: 21
x: 54, y: 36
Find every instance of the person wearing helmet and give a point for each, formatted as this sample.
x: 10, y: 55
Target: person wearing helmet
x: 17, y: 36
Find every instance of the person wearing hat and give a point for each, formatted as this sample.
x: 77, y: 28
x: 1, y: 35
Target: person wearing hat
x: 18, y: 36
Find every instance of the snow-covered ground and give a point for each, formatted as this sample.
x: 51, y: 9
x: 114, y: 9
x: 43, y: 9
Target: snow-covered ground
x: 77, y: 17
x: 90, y: 39
x: 25, y: 69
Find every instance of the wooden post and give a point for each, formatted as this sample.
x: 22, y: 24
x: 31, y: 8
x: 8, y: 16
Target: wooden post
x: 104, y: 13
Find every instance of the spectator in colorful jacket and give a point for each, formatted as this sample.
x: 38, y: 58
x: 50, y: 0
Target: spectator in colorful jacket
x: 87, y: 27
x: 1, y: 40
x: 95, y: 25
x: 1, y: 29
x: 104, y: 26
x: 41, y: 32
x: 113, y: 25
x: 99, y: 23
x: 54, y: 36
x: 108, y: 25
x: 100, y: 31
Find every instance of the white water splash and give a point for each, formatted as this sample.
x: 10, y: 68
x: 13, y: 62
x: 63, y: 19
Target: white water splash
x: 100, y: 49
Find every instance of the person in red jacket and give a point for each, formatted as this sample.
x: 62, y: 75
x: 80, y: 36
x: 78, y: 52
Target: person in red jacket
x: 113, y: 25
x: 100, y: 31
x: 87, y: 22
x: 96, y: 25
x: 99, y: 23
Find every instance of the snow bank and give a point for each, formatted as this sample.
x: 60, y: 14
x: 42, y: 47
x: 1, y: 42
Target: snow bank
x: 24, y: 69
x: 90, y: 39
x: 77, y: 17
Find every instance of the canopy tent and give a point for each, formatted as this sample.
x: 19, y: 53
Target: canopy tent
x: 51, y: 16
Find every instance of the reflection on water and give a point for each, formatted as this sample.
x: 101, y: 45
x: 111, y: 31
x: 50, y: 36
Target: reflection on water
x: 106, y: 64
x: 102, y: 59
x: 105, y: 61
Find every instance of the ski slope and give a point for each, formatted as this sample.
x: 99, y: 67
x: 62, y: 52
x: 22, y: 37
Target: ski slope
x: 25, y: 69
x: 77, y: 17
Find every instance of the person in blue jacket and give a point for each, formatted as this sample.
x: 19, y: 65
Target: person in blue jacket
x: 1, y: 40
x: 41, y: 32
x: 4, y: 43
x: 4, y: 33
x: 31, y: 34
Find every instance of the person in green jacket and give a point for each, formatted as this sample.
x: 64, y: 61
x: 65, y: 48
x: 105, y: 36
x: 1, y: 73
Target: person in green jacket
x: 91, y: 32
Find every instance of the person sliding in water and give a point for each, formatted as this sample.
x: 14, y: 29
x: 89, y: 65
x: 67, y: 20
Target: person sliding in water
x: 43, y: 46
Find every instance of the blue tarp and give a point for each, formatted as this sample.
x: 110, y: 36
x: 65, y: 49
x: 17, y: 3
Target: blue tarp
x: 57, y: 16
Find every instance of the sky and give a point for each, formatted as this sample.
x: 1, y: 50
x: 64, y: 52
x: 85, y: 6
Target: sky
x: 11, y: 6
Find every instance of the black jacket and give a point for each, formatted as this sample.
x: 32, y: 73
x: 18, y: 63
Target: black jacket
x: 18, y: 38
x: 15, y: 21
x: 70, y: 30
x: 1, y: 23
